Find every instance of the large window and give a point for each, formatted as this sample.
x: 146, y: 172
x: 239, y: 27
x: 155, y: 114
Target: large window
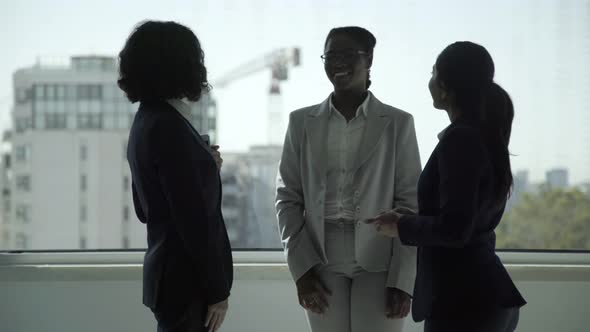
x: 541, y: 50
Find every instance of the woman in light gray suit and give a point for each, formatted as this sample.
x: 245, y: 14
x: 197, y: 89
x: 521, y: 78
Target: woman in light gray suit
x: 343, y: 161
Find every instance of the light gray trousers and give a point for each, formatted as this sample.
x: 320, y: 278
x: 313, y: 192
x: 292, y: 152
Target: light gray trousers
x: 357, y: 303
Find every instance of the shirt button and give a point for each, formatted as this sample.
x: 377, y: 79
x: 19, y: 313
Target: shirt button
x: 358, y: 208
x: 357, y: 193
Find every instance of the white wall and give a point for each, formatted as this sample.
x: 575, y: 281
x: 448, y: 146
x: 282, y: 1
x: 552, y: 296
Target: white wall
x: 107, y: 297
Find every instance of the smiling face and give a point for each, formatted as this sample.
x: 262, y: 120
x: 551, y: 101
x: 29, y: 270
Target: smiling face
x: 346, y: 63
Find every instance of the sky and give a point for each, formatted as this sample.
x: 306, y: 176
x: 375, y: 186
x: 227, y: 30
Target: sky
x: 540, y: 48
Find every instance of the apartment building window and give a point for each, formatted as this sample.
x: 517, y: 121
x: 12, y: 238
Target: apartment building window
x: 83, y: 213
x: 110, y: 91
x: 126, y: 213
x: 60, y: 92
x: 22, y: 124
x: 70, y: 92
x: 83, y: 182
x: 22, y: 95
x: 126, y: 183
x: 6, y: 239
x: 23, y: 183
x: 123, y: 121
x: 22, y: 153
x: 108, y: 120
x: 89, y: 91
x: 126, y: 243
x: 90, y: 121
x: 21, y: 241
x: 83, y: 152
x: 50, y: 91
x: 22, y: 213
x: 55, y: 121
x: 39, y: 93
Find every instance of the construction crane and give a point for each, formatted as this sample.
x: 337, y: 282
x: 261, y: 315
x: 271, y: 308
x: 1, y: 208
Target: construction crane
x: 278, y: 61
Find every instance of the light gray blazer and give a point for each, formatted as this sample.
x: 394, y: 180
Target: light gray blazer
x: 385, y: 177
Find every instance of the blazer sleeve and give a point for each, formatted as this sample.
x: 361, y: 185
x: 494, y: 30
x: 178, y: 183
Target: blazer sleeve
x: 402, y: 269
x: 184, y: 168
x: 137, y: 204
x: 461, y: 160
x: 290, y: 208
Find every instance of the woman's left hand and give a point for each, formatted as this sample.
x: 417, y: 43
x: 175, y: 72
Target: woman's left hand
x: 216, y: 155
x: 386, y: 223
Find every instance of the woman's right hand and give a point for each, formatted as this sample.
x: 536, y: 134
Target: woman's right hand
x: 312, y: 292
x: 216, y: 315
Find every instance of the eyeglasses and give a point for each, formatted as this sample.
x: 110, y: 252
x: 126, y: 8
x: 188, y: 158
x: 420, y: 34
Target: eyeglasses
x: 346, y: 57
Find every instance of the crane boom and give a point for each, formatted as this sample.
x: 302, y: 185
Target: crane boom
x: 278, y: 61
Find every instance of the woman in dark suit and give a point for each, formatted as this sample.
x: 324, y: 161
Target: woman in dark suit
x: 461, y: 285
x: 187, y: 271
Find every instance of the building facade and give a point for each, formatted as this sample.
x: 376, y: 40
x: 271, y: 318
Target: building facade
x: 66, y: 180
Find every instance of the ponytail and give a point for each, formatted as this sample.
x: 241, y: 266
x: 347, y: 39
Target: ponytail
x: 497, y: 125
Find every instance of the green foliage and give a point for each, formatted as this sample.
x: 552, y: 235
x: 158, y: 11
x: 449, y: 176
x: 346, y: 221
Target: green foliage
x: 549, y: 219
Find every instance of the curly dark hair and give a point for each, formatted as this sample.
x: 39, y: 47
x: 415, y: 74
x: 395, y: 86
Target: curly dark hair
x: 160, y: 61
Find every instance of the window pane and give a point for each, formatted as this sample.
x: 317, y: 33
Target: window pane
x: 60, y: 106
x: 40, y: 106
x: 94, y: 107
x: 83, y: 182
x: 109, y: 91
x: 540, y: 48
x: 39, y: 91
x: 126, y: 184
x: 23, y: 183
x: 83, y: 92
x: 83, y: 152
x: 50, y: 91
x: 71, y: 92
x: 50, y: 106
x: 83, y: 106
x: 109, y: 121
x: 21, y: 241
x: 22, y: 95
x: 60, y: 92
x: 22, y: 213
x: 83, y: 213
x: 22, y: 153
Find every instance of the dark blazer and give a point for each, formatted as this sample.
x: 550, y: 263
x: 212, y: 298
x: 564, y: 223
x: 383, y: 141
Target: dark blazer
x: 458, y: 271
x: 177, y: 194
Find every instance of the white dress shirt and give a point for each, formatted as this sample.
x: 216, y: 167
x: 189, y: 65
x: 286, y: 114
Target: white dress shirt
x: 343, y: 144
x: 183, y: 108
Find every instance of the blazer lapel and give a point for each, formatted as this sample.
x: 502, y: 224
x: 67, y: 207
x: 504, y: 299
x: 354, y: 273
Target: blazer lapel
x: 316, y: 128
x: 377, y: 121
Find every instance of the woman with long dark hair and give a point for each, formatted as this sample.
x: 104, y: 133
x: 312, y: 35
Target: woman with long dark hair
x: 336, y: 169
x: 461, y: 285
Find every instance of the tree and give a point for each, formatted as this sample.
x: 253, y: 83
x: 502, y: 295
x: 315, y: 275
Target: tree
x: 549, y: 219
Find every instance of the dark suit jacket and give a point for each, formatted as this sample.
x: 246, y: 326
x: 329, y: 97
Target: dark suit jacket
x: 177, y: 193
x: 458, y: 273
